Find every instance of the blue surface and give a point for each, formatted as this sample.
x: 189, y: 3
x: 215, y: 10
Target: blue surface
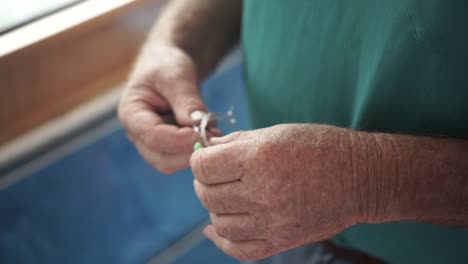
x: 103, y: 204
x: 203, y: 253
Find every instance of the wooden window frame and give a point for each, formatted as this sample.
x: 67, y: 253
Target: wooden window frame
x: 60, y: 61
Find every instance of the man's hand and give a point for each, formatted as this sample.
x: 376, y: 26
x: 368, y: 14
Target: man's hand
x: 272, y: 189
x: 184, y: 46
x: 164, y: 82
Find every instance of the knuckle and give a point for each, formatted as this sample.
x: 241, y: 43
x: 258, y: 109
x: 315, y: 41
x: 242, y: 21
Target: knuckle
x: 205, y: 197
x: 202, y: 194
x: 238, y: 134
x: 214, y: 218
x: 224, y: 230
x: 198, y: 163
x: 194, y: 163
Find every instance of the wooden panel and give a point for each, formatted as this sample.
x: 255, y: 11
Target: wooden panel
x: 46, y: 79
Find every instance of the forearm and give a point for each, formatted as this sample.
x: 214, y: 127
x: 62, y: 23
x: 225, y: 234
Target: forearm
x: 416, y: 178
x: 205, y: 29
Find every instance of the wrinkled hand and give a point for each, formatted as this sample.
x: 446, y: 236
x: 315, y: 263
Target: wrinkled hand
x: 163, y: 82
x: 273, y: 189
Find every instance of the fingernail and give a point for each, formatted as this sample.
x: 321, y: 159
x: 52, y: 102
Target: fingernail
x: 197, y: 115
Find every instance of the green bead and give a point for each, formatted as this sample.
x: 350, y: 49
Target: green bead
x: 197, y: 146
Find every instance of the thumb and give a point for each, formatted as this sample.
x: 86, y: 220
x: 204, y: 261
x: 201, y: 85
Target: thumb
x: 186, y: 103
x: 234, y: 136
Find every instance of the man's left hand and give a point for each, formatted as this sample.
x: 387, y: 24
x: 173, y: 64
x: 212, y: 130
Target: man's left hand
x: 273, y: 189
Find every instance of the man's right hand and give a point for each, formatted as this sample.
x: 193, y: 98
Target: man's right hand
x: 163, y: 82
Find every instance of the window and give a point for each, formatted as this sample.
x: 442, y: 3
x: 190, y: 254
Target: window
x: 58, y: 55
x: 14, y: 14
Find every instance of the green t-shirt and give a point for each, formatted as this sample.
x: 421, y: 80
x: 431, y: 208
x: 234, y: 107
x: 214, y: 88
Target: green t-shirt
x: 398, y: 66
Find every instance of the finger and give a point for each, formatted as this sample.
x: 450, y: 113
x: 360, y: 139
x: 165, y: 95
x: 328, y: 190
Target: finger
x: 210, y: 132
x: 214, y: 132
x: 184, y: 98
x: 236, y: 227
x: 136, y: 110
x: 166, y: 163
x: 220, y: 163
x: 169, y: 139
x: 248, y: 250
x: 238, y: 135
x: 136, y: 113
x: 228, y: 198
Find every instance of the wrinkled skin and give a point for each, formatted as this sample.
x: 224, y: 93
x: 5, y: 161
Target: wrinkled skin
x: 163, y: 82
x: 273, y: 189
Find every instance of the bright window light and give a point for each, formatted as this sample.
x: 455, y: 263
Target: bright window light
x: 19, y: 12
